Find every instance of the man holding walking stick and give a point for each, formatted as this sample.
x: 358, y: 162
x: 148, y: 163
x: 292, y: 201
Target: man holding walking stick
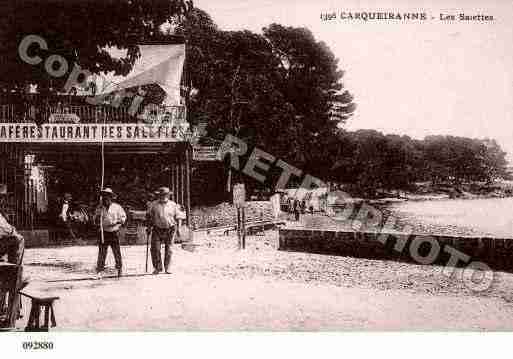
x: 162, y: 220
x: 110, y: 216
x: 149, y: 233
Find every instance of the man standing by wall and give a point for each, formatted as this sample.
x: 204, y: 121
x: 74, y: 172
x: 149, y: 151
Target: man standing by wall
x: 297, y: 209
x: 65, y: 217
x: 110, y: 217
x: 162, y: 220
x: 12, y: 243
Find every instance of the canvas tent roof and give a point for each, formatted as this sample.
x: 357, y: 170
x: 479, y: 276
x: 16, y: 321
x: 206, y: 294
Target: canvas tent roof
x: 158, y: 64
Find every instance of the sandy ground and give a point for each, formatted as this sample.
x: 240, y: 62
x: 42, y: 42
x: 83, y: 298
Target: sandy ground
x: 218, y: 287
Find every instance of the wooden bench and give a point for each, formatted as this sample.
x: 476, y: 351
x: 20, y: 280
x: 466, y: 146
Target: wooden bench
x: 254, y: 228
x: 250, y: 227
x: 40, y: 303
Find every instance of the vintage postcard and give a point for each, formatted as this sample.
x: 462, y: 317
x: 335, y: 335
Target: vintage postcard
x: 277, y: 166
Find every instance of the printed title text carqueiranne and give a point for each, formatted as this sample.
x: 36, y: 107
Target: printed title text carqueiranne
x: 366, y: 16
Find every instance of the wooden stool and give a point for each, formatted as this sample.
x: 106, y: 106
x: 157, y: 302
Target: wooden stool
x: 38, y: 304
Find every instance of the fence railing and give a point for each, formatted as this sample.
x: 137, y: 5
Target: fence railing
x: 7, y: 112
x: 38, y: 112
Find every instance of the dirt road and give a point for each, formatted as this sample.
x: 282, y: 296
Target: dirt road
x: 220, y: 288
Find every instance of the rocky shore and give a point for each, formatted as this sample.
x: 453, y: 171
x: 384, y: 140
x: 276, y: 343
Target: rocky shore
x: 225, y: 214
x: 430, y: 192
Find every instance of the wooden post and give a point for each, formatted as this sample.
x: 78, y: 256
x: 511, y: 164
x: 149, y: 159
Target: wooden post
x: 188, y: 182
x: 239, y: 227
x: 19, y: 187
x: 177, y: 180
x: 171, y: 181
x: 173, y: 169
x: 3, y: 163
x: 239, y: 199
x: 180, y: 175
x: 182, y: 178
x: 173, y: 184
x: 178, y: 184
x: 243, y: 226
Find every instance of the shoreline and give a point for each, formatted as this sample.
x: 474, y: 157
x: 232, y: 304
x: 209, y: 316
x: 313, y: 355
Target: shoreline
x: 392, y: 200
x: 437, y: 196
x: 398, y: 208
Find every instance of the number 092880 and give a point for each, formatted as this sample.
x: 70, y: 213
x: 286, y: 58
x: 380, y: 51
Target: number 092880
x: 37, y: 345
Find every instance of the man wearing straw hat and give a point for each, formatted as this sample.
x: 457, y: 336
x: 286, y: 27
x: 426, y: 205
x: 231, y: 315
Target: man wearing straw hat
x: 110, y: 216
x: 12, y: 243
x: 162, y: 219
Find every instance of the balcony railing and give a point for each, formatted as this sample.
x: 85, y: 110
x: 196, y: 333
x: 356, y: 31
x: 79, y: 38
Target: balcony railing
x: 31, y: 109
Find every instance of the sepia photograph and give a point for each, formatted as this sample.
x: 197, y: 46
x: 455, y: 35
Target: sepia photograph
x: 255, y: 166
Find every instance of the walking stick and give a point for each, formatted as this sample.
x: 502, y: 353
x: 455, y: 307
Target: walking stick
x: 148, y: 235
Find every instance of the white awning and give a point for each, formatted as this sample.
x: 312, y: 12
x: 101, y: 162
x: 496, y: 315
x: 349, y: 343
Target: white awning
x: 158, y: 64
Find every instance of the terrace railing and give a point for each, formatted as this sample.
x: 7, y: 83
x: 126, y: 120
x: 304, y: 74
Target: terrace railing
x: 30, y: 108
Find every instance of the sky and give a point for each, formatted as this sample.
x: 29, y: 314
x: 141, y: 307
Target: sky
x: 418, y: 79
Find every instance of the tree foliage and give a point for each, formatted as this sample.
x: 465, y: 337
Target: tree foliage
x: 280, y: 90
x: 370, y: 160
x: 79, y: 31
x: 281, y: 82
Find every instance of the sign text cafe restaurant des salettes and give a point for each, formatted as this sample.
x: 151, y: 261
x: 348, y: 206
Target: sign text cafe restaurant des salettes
x: 77, y: 143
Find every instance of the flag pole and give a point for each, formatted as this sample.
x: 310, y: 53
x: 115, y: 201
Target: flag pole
x: 102, y: 239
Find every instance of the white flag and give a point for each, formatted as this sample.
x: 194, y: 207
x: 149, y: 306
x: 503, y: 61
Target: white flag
x: 158, y: 64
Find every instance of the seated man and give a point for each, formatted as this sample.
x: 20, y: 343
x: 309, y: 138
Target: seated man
x: 12, y: 243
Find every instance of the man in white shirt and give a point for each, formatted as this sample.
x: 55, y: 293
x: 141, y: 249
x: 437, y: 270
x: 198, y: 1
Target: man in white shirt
x: 65, y: 216
x: 162, y: 219
x: 65, y: 207
x: 110, y: 216
x: 12, y: 243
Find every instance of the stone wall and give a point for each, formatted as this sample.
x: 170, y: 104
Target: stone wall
x: 226, y: 214
x: 430, y: 249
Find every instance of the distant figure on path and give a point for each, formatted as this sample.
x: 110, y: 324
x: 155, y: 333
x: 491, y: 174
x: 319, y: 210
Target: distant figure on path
x: 162, y: 218
x: 297, y: 208
x: 181, y: 217
x: 110, y: 216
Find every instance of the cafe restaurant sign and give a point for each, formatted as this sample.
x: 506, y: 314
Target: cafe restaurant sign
x: 90, y: 132
x: 63, y: 118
